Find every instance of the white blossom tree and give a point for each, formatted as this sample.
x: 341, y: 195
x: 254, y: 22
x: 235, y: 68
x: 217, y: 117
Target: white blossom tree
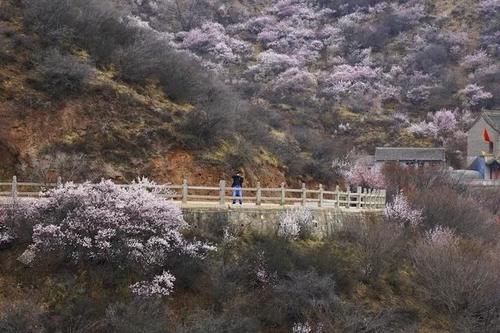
x: 128, y: 228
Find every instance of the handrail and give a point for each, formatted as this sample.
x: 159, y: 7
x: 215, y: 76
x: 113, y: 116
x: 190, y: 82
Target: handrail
x: 222, y: 194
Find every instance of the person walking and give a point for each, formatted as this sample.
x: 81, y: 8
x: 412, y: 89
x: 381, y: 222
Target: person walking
x: 237, y: 185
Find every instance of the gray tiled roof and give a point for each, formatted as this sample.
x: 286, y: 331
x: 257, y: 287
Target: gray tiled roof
x: 492, y: 118
x: 409, y: 154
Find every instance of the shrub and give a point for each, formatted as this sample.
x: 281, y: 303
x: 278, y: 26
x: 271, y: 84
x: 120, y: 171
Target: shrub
x: 97, y: 26
x: 230, y: 322
x: 128, y: 228
x: 301, y: 296
x: 296, y: 222
x: 487, y: 198
x: 77, y: 313
x: 6, y: 238
x: 378, y: 244
x: 70, y: 167
x: 400, y: 212
x: 462, y: 281
x: 355, y: 319
x: 430, y: 57
x: 301, y: 328
x: 138, y: 315
x: 202, y: 129
x: 6, y: 235
x: 401, y: 178
x: 61, y: 75
x: 183, y: 79
x: 446, y: 207
x: 6, y: 51
x: 17, y: 222
x: 21, y: 317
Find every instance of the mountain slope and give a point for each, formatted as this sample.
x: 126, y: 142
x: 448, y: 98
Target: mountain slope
x: 195, y: 88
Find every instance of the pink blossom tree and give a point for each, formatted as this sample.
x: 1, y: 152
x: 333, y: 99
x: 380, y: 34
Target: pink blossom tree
x: 476, y: 60
x: 294, y: 83
x: 212, y: 40
x: 474, y: 96
x: 270, y: 64
x: 443, y: 126
x: 129, y: 228
x: 489, y: 6
x: 361, y: 174
x: 401, y: 212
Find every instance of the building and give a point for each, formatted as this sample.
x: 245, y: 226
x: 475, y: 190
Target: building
x: 411, y: 156
x: 483, y: 145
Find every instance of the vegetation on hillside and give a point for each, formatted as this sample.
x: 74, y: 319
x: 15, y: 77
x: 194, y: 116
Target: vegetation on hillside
x: 291, y: 84
x: 96, y: 258
x: 281, y: 88
x: 128, y: 97
x: 368, y: 71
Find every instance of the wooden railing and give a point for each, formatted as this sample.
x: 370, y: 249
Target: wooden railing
x: 484, y: 183
x: 223, y: 194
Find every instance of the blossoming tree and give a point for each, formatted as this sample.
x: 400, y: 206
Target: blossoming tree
x: 129, y: 228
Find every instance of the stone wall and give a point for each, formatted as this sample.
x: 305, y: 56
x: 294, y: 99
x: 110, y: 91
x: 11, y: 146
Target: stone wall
x: 265, y: 220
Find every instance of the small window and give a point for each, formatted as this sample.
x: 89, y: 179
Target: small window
x: 490, y: 147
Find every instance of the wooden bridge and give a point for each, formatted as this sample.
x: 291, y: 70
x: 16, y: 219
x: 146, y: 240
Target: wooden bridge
x: 188, y: 195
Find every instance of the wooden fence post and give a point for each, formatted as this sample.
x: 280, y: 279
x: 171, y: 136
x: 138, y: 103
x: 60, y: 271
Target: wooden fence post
x: 358, y: 204
x: 304, y: 194
x: 282, y: 201
x: 348, y: 197
x: 383, y: 198
x: 258, y: 194
x: 14, y: 189
x: 320, y: 203
x: 337, y: 197
x: 222, y: 192
x: 184, y: 191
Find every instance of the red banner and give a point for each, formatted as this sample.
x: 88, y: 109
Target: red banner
x: 486, y: 135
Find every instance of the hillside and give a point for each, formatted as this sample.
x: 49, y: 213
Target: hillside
x: 99, y: 258
x: 196, y: 88
x: 353, y: 74
x: 62, y: 114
